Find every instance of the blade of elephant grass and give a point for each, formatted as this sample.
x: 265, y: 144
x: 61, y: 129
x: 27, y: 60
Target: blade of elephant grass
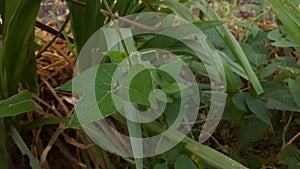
x: 18, y: 28
x: 289, y: 15
x: 234, y: 46
x: 135, y: 134
x: 45, y: 121
x: 22, y: 146
x: 51, y: 143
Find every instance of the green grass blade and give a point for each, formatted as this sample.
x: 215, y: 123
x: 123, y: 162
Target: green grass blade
x: 234, y: 47
x: 289, y: 15
x: 45, y: 121
x: 135, y: 133
x: 18, y: 31
x: 231, y: 81
x: 17, y: 104
x: 85, y: 20
x: 23, y: 147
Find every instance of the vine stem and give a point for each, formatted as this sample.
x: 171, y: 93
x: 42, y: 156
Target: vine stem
x: 118, y: 30
x: 285, y: 129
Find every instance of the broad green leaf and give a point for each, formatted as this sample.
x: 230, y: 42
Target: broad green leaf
x: 295, y: 90
x: 116, y: 55
x: 140, y: 87
x: 290, y: 156
x: 102, y: 91
x: 268, y: 70
x: 184, y: 161
x: 251, y: 130
x: 255, y: 161
x: 275, y: 35
x: 17, y: 104
x: 171, y: 111
x: 250, y: 26
x: 239, y: 100
x: 174, y: 153
x: 279, y: 105
x: 289, y: 15
x: 138, y: 90
x: 257, y: 107
x: 161, y: 166
x: 278, y: 97
x: 284, y: 43
x: 254, y: 55
x: 169, y: 88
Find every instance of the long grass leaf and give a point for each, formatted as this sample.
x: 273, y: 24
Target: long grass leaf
x: 85, y: 20
x: 18, y: 30
x: 289, y: 15
x: 23, y: 147
x: 234, y: 47
x: 17, y: 104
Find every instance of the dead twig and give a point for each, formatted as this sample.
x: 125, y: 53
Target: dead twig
x: 45, y: 47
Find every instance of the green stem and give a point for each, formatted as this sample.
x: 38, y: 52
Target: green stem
x: 118, y: 30
x: 285, y: 128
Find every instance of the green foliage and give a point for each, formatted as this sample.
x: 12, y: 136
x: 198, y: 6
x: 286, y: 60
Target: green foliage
x: 233, y: 46
x: 18, y: 29
x: 259, y: 87
x: 17, y: 104
x: 289, y: 15
x: 161, y: 166
x: 17, y: 63
x: 290, y: 155
x: 184, y: 161
x: 23, y: 147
